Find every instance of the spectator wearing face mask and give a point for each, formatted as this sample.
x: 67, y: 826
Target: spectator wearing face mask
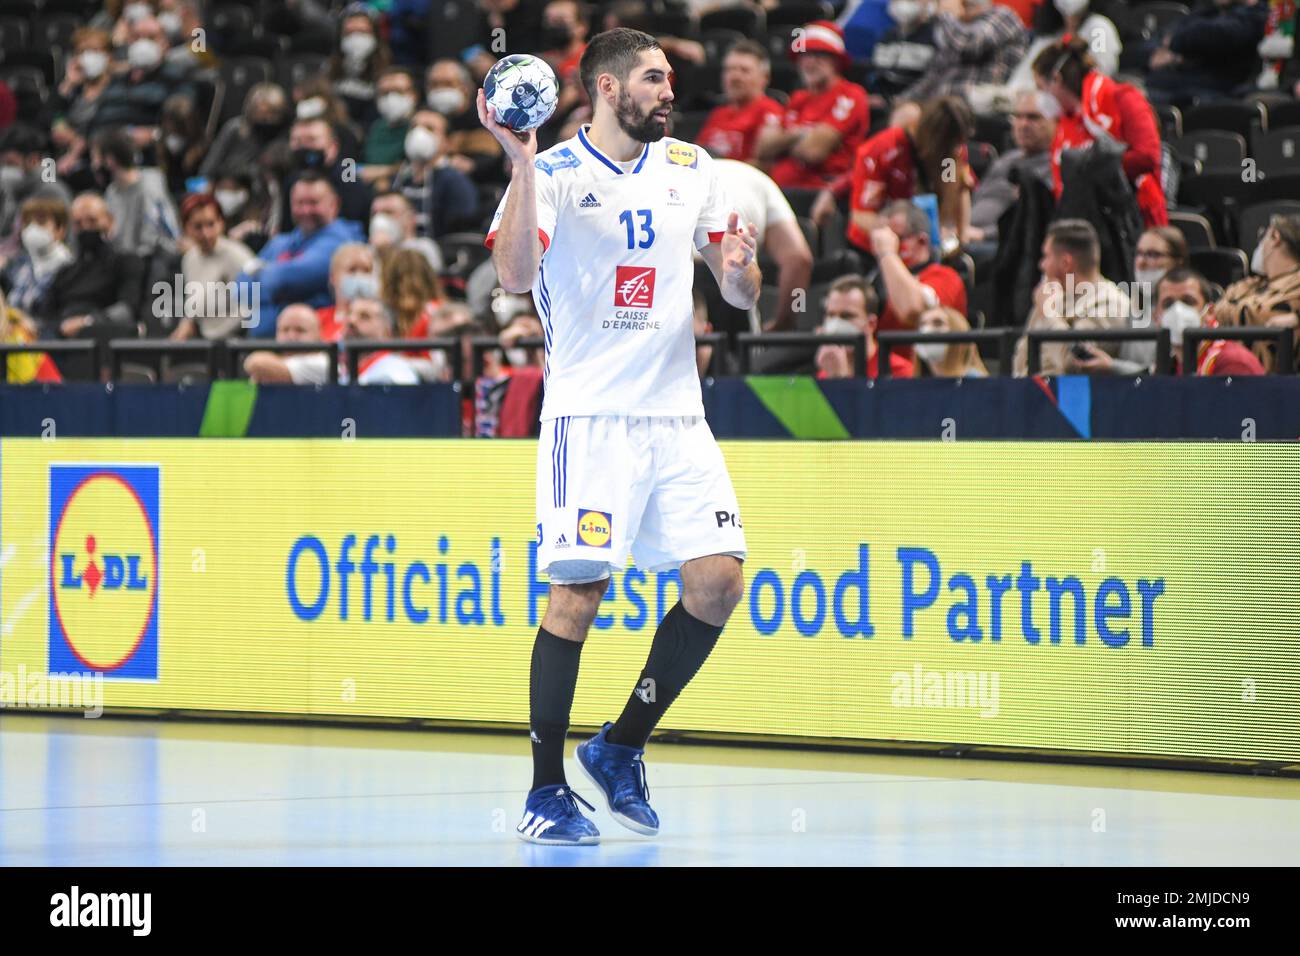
x: 242, y: 206
x: 243, y: 138
x: 316, y: 149
x: 1183, y: 302
x: 97, y: 294
x: 564, y: 38
x: 1270, y: 297
x: 27, y: 276
x: 294, y: 266
x: 183, y: 144
x: 26, y: 172
x: 439, y: 193
x: 314, y: 99
x: 134, y: 99
x: 470, y: 148
x: 948, y: 359
x: 905, y: 52
x: 86, y: 76
x: 137, y: 198
x: 852, y: 308
x: 385, y: 142
x: 354, y: 272
x: 392, y: 226
x: 209, y: 268
x: 361, y: 58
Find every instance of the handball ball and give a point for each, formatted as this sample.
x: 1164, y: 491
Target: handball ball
x: 522, y: 90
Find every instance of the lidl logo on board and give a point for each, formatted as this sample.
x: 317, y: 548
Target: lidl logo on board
x: 594, y: 528
x: 104, y: 560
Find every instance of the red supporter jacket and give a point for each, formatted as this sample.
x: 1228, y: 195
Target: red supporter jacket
x: 844, y: 106
x: 731, y: 131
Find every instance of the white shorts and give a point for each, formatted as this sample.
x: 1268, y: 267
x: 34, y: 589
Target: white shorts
x: 608, y: 485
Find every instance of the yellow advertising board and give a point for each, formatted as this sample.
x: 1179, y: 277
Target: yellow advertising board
x: 1121, y: 598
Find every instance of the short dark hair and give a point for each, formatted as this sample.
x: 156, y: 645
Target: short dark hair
x: 855, y: 283
x: 614, y: 51
x: 1079, y: 239
x: 313, y: 176
x: 918, y: 221
x: 751, y: 48
x: 25, y: 139
x: 116, y: 144
x: 1181, y: 274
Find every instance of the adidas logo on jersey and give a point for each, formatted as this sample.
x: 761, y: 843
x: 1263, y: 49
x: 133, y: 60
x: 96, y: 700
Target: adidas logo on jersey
x: 589, y: 201
x: 561, y: 542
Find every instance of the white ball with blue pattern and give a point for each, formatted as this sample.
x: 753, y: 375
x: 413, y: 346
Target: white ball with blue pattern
x: 522, y: 90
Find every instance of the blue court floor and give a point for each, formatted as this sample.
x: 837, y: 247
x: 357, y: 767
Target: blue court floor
x: 142, y: 793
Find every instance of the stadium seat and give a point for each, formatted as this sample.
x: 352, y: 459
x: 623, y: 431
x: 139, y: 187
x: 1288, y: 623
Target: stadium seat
x: 293, y: 68
x: 185, y: 373
x: 1254, y: 219
x: 745, y: 19
x: 829, y: 268
x: 779, y: 39
x: 687, y: 125
x: 15, y: 33
x: 831, y: 236
x: 696, y: 86
x: 22, y: 8
x: 795, y: 13
x: 673, y: 22
x: 995, y: 130
x: 1241, y: 118
x: 1283, y: 114
x: 1224, y: 266
x: 1277, y: 150
x: 801, y: 200
x: 982, y: 156
x: 462, y: 253
x: 1223, y: 193
x: 1145, y: 20
x: 717, y: 42
x: 811, y: 234
x: 1212, y: 147
x: 1195, y: 228
x: 82, y: 9
x: 56, y: 31
x: 230, y: 27
x: 1171, y: 120
x: 238, y: 76
x: 785, y: 76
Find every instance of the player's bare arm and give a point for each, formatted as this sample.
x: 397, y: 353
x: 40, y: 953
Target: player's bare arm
x: 517, y: 250
x: 734, y: 264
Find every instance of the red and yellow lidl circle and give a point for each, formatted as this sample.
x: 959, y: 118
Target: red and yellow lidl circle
x: 104, y: 562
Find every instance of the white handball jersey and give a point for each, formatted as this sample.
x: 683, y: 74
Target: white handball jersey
x: 614, y: 288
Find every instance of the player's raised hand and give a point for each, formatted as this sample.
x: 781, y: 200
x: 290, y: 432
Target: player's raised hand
x: 518, y: 147
x: 739, y: 243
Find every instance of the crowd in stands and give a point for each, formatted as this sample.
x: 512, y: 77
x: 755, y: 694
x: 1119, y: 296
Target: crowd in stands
x: 305, y: 170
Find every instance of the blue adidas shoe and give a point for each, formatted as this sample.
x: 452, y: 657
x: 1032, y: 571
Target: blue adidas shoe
x: 619, y: 772
x: 552, y: 818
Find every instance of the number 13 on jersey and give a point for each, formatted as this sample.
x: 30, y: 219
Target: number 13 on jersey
x: 647, y: 231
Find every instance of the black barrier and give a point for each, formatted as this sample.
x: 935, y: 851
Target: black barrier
x: 52, y: 347
x: 1161, y: 336
x: 747, y: 341
x: 161, y: 350
x: 482, y: 344
x: 1283, y: 363
x: 355, y: 348
x: 236, y: 347
x: 1005, y: 339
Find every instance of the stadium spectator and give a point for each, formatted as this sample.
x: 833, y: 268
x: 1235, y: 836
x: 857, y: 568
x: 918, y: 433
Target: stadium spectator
x: 1183, y: 302
x: 86, y: 76
x: 1096, y: 108
x: 470, y: 147
x: 209, y: 268
x: 395, y: 101
x: 851, y: 308
x: 412, y: 292
x: 564, y: 37
x: 439, y: 193
x: 927, y: 154
x: 392, y: 226
x: 1210, y: 54
x: 25, y: 173
x: 354, y: 272
x: 361, y: 57
x: 1080, y: 18
x: 297, y: 322
x: 731, y: 130
x: 910, y: 279
x: 44, y: 229
x: 369, y: 318
x: 1073, y: 295
x: 978, y: 46
x: 759, y: 201
x: 524, y: 324
x: 314, y: 98
x: 134, y: 98
x: 294, y: 266
x: 16, y: 328
x: 905, y: 52
x: 1033, y: 127
x: 824, y: 122
x: 243, y: 138
x: 97, y: 294
x: 137, y: 198
x: 1271, y: 297
x: 949, y: 359
x: 183, y: 144
x: 315, y: 148
x: 408, y: 22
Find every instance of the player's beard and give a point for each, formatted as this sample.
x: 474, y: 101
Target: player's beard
x: 644, y: 128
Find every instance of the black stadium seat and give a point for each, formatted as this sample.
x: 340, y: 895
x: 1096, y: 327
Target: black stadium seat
x: 1283, y: 114
x: 746, y: 20
x: 1277, y: 150
x: 798, y: 12
x: 15, y: 33
x: 56, y: 31
x: 1171, y: 120
x: 239, y: 75
x: 1212, y: 147
x: 1241, y: 118
x: 716, y: 42
x: 1224, y: 266
x: 1195, y: 228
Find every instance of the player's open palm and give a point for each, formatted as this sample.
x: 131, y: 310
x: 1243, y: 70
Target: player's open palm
x: 739, y: 244
x: 518, y: 147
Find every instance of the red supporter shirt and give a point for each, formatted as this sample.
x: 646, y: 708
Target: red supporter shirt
x: 1227, y: 357
x: 900, y: 366
x: 731, y: 131
x: 948, y: 289
x: 843, y: 106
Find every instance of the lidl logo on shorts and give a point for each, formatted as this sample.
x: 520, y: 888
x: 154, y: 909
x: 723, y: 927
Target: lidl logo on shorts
x: 104, y: 560
x: 595, y: 528
x: 680, y: 154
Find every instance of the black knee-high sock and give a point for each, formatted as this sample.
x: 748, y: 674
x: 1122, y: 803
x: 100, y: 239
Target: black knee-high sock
x: 681, y: 645
x: 551, y: 683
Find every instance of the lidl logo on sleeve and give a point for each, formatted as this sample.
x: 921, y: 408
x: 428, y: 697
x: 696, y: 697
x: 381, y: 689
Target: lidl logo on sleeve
x: 594, y: 528
x: 681, y: 154
x: 104, y: 561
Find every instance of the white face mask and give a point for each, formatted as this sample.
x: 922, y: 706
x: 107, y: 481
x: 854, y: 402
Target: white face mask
x: 1151, y: 276
x: 231, y: 201
x: 1257, y: 259
x: 421, y: 145
x: 134, y: 12
x: 175, y: 144
x: 358, y: 46
x: 395, y: 107
x: 446, y: 100
x: 1070, y: 8
x: 36, y: 239
x: 93, y: 63
x: 170, y: 21
x: 311, y: 109
x: 1177, y: 317
x: 384, y: 227
x: 143, y: 55
x: 932, y: 352
x: 11, y: 176
x: 905, y: 12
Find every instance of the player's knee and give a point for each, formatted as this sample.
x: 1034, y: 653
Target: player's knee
x: 576, y: 604
x: 717, y: 595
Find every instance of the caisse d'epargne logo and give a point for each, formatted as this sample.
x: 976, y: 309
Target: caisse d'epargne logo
x: 104, y: 562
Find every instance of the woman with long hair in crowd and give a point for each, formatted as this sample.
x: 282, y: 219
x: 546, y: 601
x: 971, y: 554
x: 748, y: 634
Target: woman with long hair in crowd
x: 948, y: 359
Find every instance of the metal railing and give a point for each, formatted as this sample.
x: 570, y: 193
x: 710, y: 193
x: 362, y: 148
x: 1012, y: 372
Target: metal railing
x: 1283, y: 363
x: 746, y: 342
x: 1004, y: 339
x: 1161, y: 337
